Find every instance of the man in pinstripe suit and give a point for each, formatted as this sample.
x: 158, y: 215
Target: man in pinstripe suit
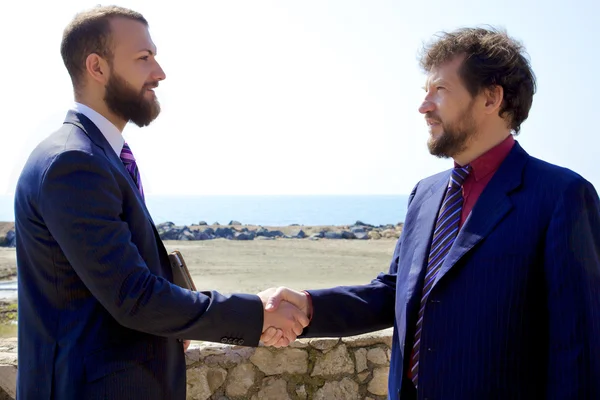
x: 494, y: 285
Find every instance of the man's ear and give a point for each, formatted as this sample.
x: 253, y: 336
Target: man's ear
x: 97, y: 68
x: 494, y: 96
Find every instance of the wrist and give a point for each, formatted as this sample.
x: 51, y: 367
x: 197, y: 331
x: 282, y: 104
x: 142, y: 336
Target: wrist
x: 309, y: 306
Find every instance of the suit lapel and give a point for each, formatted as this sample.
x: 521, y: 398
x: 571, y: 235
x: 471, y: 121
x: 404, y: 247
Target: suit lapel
x: 92, y: 131
x: 425, y: 222
x: 491, y: 207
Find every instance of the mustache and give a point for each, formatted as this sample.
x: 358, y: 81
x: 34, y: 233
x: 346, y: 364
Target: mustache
x: 433, y: 116
x: 151, y: 85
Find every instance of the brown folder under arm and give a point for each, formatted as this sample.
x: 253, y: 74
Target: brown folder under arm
x: 181, y: 274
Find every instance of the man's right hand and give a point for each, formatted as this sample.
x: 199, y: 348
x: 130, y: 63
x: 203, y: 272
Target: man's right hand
x: 283, y: 301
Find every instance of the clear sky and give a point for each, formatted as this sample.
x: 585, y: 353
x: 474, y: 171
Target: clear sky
x: 301, y: 97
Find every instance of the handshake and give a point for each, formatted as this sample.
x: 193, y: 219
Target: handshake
x: 286, y: 313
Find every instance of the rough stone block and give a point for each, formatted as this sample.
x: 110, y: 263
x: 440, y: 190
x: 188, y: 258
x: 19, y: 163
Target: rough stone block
x: 377, y: 356
x: 273, y: 389
x: 379, y: 383
x: 203, y: 381
x: 324, y: 343
x: 241, y: 378
x: 360, y: 356
x: 345, y: 389
x: 274, y: 362
x: 337, y: 361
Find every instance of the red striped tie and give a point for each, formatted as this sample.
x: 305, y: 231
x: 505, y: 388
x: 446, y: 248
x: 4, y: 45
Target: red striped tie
x: 446, y: 229
x: 131, y: 166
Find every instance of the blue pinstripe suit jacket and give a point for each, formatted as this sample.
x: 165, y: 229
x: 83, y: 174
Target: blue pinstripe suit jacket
x: 515, y: 309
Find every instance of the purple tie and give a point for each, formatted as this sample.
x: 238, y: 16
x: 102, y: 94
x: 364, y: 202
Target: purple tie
x: 131, y: 166
x: 446, y: 229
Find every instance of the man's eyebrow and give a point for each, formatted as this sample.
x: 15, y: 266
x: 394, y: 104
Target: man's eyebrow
x: 435, y: 82
x: 150, y: 52
x: 440, y: 81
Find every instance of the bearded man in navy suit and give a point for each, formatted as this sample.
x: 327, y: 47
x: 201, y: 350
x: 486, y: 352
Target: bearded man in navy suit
x: 494, y: 286
x: 99, y: 314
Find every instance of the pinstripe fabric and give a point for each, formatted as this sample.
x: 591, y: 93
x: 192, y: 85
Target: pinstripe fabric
x: 517, y: 313
x: 446, y: 229
x: 131, y: 166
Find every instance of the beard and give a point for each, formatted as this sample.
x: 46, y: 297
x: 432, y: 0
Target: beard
x: 455, y: 135
x: 129, y: 104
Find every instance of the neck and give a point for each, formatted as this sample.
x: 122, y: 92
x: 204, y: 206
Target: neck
x: 100, y: 107
x: 480, y: 144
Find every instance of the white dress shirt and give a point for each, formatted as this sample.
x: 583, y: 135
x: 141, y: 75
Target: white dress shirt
x: 111, y: 133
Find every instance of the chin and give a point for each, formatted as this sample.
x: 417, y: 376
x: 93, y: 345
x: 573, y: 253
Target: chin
x: 435, y: 136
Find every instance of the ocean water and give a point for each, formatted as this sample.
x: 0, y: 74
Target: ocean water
x: 267, y: 210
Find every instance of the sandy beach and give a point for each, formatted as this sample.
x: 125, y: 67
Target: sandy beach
x: 251, y: 266
x: 230, y: 266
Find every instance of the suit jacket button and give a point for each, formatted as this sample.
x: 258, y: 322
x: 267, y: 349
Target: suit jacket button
x: 230, y: 341
x: 240, y: 342
x: 234, y: 342
x: 224, y: 340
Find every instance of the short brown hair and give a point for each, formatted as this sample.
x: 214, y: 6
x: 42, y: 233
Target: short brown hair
x: 491, y: 58
x: 88, y: 33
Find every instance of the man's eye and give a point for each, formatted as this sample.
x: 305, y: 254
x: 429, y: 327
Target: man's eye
x: 440, y: 88
x: 145, y: 58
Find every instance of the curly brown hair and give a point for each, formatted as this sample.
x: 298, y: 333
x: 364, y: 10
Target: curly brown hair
x: 89, y: 33
x: 491, y: 58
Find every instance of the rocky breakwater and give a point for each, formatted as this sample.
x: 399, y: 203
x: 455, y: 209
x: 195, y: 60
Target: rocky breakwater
x: 236, y: 231
x: 354, y: 368
x: 7, y: 234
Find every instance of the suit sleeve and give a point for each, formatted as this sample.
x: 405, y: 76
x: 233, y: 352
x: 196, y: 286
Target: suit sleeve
x: 572, y: 270
x: 81, y: 203
x: 353, y: 310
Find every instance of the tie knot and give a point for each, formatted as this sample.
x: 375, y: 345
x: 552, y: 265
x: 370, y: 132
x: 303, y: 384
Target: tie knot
x: 126, y: 154
x: 458, y: 176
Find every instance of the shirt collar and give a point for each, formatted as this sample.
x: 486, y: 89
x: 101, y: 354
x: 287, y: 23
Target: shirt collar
x: 489, y: 161
x: 108, y: 129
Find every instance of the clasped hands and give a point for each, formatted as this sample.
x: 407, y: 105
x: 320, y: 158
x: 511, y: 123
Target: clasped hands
x: 286, y: 313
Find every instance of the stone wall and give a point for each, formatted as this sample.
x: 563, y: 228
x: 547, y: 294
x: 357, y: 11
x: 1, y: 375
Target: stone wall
x: 321, y: 369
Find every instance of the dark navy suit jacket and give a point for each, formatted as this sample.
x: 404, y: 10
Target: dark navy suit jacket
x: 515, y: 308
x: 98, y: 315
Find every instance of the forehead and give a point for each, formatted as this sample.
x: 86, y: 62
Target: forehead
x: 447, y: 71
x: 130, y: 36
